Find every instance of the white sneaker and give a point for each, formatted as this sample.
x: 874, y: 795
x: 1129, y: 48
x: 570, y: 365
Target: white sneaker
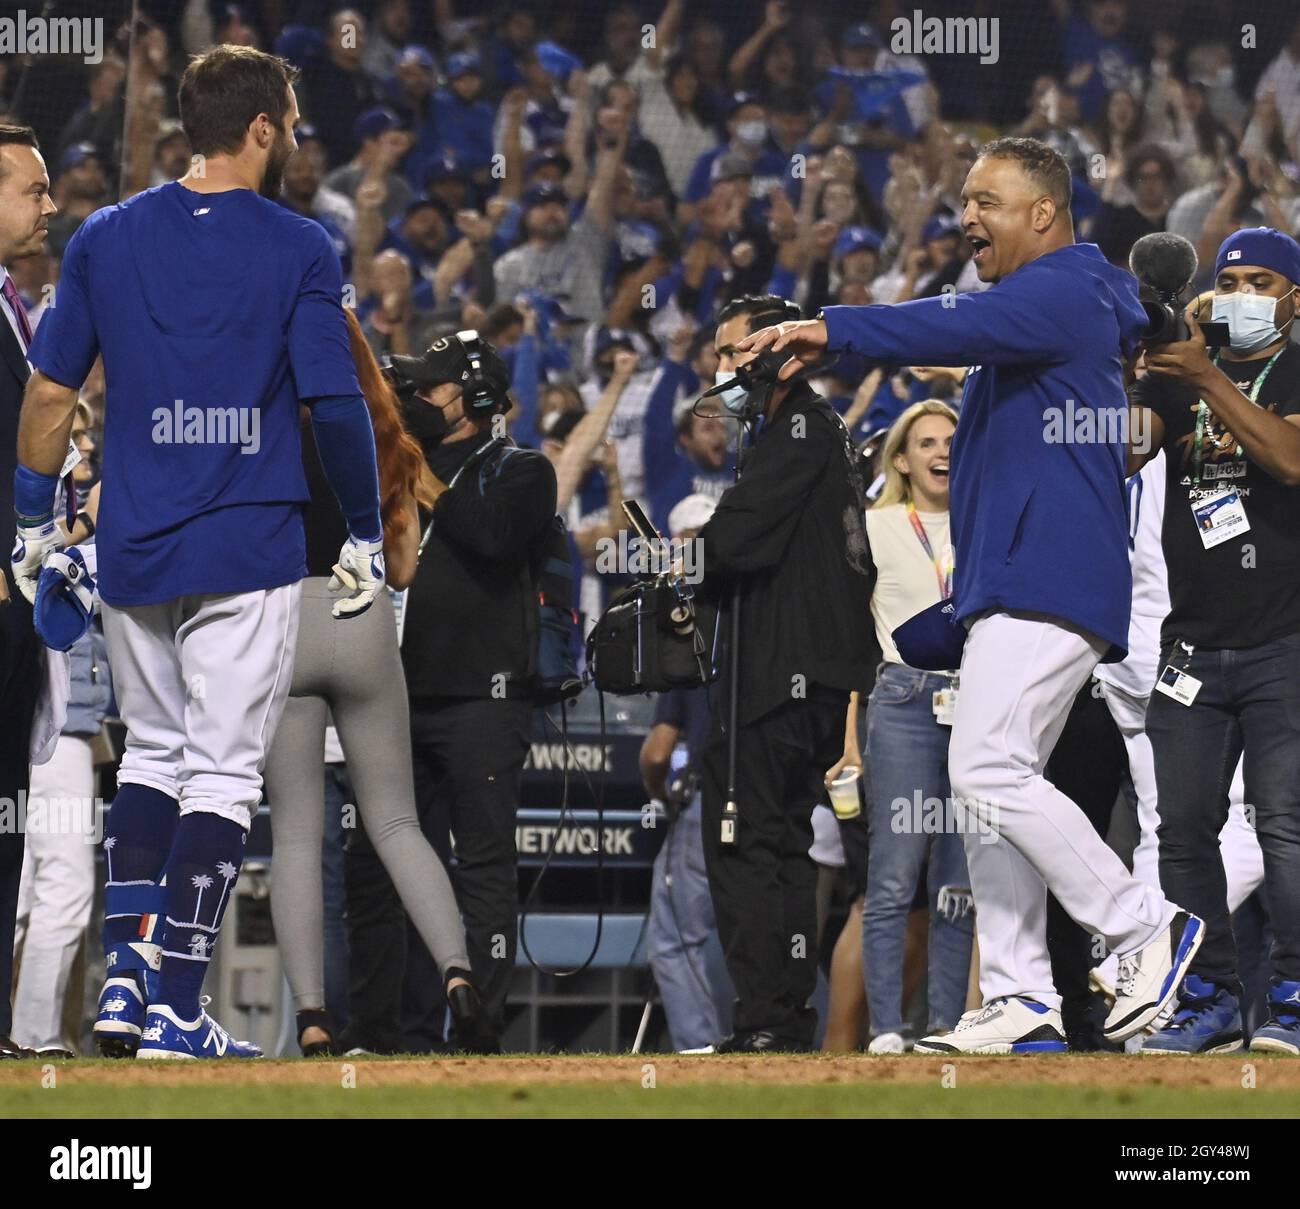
x: 1005, y: 1026
x: 1149, y: 978
x: 887, y: 1043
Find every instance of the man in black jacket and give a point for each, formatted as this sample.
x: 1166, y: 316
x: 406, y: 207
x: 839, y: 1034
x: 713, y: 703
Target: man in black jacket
x: 469, y: 640
x: 25, y: 208
x: 790, y: 539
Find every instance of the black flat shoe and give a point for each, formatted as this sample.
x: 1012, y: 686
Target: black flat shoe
x: 316, y: 1018
x: 474, y: 1032
x: 9, y: 1048
x: 760, y: 1041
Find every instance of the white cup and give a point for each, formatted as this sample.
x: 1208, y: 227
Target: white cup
x: 845, y: 800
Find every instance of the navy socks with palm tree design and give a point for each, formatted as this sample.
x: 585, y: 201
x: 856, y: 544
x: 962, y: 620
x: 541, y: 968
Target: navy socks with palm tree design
x: 138, y: 837
x: 201, y: 873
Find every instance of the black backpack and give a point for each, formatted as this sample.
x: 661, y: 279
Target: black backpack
x: 553, y: 628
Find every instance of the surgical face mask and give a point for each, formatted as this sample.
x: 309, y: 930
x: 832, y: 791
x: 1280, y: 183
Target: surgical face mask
x: 735, y: 399
x: 752, y: 133
x: 1250, y: 319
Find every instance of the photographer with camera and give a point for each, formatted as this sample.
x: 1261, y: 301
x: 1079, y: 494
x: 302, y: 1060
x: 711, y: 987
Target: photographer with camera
x: 1229, y: 681
x: 788, y: 546
x: 469, y: 645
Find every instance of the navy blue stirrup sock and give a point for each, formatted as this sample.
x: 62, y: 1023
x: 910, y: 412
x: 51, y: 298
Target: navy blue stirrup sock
x: 138, y: 836
x: 201, y: 874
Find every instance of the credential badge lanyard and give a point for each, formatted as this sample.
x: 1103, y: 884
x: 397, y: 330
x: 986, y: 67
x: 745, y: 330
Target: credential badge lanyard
x: 1203, y: 414
x: 942, y: 573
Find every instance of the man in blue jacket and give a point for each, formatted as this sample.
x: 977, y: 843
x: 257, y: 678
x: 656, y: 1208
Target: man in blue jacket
x: 1042, y: 581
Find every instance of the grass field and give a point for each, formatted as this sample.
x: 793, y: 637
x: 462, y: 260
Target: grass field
x: 1238, y: 1086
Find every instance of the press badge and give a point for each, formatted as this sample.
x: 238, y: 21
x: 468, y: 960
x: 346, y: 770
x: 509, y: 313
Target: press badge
x: 944, y: 703
x: 74, y: 456
x: 1178, y: 685
x: 1220, y: 517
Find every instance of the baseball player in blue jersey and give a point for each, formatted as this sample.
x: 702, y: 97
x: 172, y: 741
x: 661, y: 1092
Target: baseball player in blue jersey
x: 1042, y: 583
x: 216, y: 312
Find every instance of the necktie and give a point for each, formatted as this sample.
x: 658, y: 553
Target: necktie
x: 9, y: 291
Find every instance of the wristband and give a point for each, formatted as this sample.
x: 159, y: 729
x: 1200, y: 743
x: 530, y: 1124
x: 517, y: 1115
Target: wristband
x: 34, y: 495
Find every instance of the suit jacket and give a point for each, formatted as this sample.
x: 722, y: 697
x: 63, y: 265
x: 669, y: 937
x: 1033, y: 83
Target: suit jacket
x: 18, y: 642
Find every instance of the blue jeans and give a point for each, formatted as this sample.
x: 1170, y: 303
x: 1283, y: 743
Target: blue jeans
x: 1248, y: 706
x: 911, y: 823
x: 682, y: 939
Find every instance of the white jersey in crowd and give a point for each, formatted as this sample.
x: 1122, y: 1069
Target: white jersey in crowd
x: 1146, y: 506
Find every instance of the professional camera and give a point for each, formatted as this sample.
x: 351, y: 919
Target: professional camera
x: 1165, y: 264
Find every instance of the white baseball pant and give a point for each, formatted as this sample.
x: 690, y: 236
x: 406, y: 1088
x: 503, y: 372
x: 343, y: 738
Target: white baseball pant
x: 57, y: 888
x: 1019, y: 676
x: 201, y: 682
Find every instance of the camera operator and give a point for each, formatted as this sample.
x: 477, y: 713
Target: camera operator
x: 790, y: 537
x: 469, y: 635
x: 1229, y: 423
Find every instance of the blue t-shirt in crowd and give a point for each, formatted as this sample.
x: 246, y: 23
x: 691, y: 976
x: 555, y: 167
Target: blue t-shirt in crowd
x: 1113, y: 60
x: 215, y: 314
x: 688, y: 710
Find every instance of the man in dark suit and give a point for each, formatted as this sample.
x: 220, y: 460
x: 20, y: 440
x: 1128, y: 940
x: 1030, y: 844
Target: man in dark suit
x: 25, y: 209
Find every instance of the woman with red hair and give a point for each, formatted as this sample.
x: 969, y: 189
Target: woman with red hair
x: 354, y: 673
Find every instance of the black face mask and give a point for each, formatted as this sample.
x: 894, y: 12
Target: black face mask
x: 426, y: 423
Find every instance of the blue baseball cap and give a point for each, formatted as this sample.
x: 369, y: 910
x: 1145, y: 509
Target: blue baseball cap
x: 415, y: 54
x: 860, y: 35
x: 854, y: 239
x: 939, y: 226
x: 541, y: 195
x: 545, y: 158
x: 445, y: 167
x: 65, y: 600
x: 556, y: 61
x: 932, y: 640
x: 1261, y: 246
x: 374, y: 122
x: 78, y: 153
x: 465, y: 63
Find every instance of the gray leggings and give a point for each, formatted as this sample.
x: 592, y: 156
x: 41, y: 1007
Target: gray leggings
x: 352, y: 668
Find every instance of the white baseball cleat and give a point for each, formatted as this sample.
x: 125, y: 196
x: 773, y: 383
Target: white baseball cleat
x: 1006, y: 1026
x: 1149, y: 978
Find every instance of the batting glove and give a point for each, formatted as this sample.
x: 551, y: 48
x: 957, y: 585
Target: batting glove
x: 33, y: 543
x: 359, y: 572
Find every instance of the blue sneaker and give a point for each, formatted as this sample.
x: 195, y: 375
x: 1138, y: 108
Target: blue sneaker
x: 1207, y: 1021
x: 166, y: 1035
x: 1281, y: 1033
x: 121, y: 1018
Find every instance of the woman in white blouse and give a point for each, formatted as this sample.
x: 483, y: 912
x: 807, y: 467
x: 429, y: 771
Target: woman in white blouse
x: 909, y: 718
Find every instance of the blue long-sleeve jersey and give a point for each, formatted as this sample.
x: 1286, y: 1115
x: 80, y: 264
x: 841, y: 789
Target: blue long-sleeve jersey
x: 1039, y: 510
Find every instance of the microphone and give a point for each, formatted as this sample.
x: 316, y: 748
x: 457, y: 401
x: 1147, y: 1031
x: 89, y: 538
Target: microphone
x: 1164, y: 262
x: 762, y: 370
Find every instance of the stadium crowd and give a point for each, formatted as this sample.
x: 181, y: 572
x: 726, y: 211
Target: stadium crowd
x: 588, y: 189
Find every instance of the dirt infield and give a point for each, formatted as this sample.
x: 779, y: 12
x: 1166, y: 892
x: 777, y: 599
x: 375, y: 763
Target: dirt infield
x: 1226, y: 1073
